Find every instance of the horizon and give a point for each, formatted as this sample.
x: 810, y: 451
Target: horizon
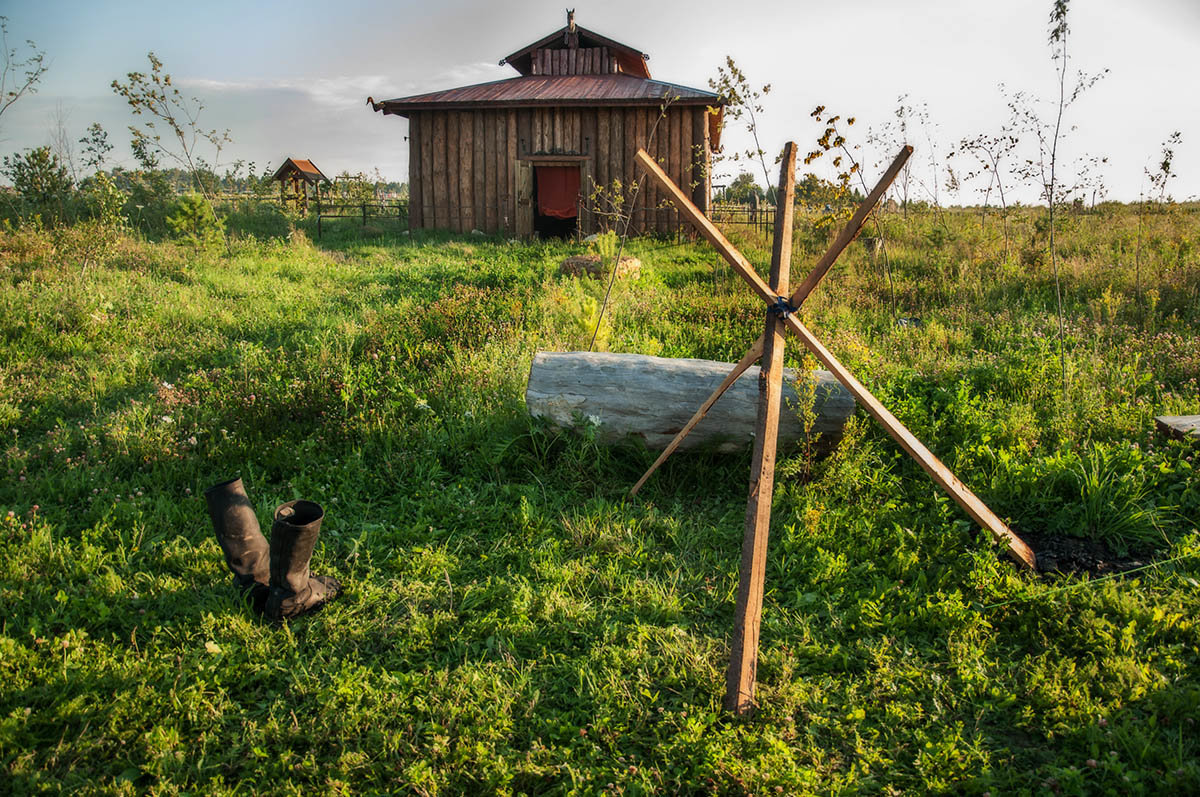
x: 286, y: 87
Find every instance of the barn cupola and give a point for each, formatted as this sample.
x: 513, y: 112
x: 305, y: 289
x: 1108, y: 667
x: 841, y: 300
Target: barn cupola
x: 573, y: 50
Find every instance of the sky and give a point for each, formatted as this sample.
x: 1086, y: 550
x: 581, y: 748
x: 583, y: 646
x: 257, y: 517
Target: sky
x: 291, y: 79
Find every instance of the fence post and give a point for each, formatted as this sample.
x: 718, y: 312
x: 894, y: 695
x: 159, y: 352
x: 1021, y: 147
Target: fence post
x: 364, y: 210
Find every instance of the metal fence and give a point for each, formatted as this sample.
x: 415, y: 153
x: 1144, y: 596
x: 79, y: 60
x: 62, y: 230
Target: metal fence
x: 396, y: 211
x: 760, y: 217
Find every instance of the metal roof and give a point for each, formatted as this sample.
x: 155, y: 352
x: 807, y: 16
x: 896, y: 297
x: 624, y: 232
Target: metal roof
x: 554, y: 90
x: 305, y: 168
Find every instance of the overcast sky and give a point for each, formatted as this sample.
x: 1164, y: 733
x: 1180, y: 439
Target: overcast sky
x: 291, y: 79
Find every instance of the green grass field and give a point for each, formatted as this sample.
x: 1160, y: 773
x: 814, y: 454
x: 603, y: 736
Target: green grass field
x: 513, y: 622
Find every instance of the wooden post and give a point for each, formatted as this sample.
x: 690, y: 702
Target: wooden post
x: 364, y: 211
x: 743, y: 657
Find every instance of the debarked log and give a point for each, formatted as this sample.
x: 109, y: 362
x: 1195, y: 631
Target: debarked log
x: 651, y: 398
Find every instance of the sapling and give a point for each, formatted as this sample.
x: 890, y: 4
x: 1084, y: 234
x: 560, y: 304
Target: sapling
x: 1048, y: 135
x: 1159, y: 178
x: 18, y: 75
x: 154, y: 95
x: 743, y: 103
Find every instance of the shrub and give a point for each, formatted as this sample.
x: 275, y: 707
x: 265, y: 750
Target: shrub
x: 193, y: 221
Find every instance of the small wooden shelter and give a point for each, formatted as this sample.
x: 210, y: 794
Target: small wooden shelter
x: 295, y: 176
x: 552, y: 150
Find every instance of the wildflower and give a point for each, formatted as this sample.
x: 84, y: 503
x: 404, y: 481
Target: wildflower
x: 191, y: 440
x: 168, y: 385
x: 167, y: 419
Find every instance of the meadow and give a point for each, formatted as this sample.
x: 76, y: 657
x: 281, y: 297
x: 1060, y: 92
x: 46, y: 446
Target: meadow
x: 514, y: 623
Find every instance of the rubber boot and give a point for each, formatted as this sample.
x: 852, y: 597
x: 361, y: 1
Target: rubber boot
x: 246, y: 550
x: 294, y: 591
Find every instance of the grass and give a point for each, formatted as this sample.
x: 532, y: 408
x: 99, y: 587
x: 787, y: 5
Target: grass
x: 514, y: 623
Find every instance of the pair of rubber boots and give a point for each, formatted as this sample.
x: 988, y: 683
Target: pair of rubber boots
x: 273, y: 575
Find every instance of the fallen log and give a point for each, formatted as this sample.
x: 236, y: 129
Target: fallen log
x: 651, y: 398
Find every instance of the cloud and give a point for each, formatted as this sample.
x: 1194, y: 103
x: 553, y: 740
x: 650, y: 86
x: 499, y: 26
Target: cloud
x: 328, y: 92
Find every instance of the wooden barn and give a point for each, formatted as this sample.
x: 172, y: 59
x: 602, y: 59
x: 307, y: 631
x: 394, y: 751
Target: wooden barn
x: 552, y: 150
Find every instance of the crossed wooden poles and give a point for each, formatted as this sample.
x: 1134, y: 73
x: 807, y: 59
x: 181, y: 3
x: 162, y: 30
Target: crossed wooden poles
x: 780, y: 317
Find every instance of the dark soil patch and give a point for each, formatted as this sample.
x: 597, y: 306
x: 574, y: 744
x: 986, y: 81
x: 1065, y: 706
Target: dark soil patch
x: 1058, y: 554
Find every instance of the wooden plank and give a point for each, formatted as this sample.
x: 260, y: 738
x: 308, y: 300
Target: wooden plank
x: 466, y: 188
x: 491, y: 164
x: 675, y: 159
x: 478, y: 170
x: 509, y: 214
x: 535, y: 130
x: 662, y: 144
x: 572, y: 61
x: 524, y: 198
x: 604, y: 60
x: 560, y: 120
x: 743, y: 660
x: 587, y: 121
x: 616, y: 154
x: 414, y: 171
x: 699, y: 161
x: 453, y: 179
x: 441, y: 192
x: 602, y: 162
x: 641, y: 125
x: 634, y: 130
x: 748, y: 360
x: 969, y: 502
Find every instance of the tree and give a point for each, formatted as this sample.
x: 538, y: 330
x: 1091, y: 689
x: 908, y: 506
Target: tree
x: 95, y: 147
x: 742, y: 190
x: 18, y: 76
x: 39, y: 177
x: 155, y: 96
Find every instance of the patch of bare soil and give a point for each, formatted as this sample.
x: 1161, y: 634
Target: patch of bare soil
x: 1062, y: 555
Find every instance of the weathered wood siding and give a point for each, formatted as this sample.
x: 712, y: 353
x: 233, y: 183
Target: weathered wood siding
x: 463, y: 163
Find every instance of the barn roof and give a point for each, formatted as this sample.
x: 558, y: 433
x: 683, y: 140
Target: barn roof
x: 630, y: 60
x: 556, y: 90
x: 305, y: 168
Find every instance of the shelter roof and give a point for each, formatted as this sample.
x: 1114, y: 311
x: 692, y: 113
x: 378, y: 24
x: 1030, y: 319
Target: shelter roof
x: 304, y: 168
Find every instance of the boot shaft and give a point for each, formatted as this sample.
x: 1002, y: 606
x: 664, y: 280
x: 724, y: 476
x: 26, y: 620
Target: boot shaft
x: 293, y: 539
x: 238, y: 533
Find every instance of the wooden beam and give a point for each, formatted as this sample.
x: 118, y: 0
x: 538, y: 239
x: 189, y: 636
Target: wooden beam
x: 747, y: 616
x: 966, y: 499
x: 969, y: 502
x: 689, y: 211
